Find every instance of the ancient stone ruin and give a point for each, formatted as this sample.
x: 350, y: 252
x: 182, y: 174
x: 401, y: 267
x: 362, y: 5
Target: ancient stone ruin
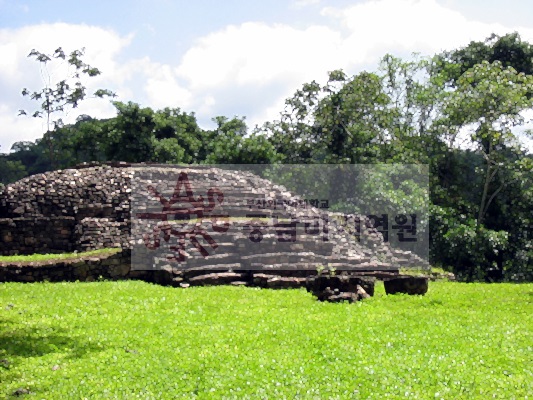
x: 337, y: 288
x: 90, y: 207
x: 65, y: 211
x: 407, y: 284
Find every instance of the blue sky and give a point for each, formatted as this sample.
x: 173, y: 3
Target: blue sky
x: 232, y: 57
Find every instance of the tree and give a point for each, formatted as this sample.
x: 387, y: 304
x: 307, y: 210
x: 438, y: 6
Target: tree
x: 344, y: 121
x: 131, y: 134
x: 30, y: 154
x: 178, y: 138
x: 230, y: 144
x: 418, y: 112
x: 57, y: 97
x: 491, y: 98
x: 10, y: 171
x: 474, y: 210
x: 509, y: 49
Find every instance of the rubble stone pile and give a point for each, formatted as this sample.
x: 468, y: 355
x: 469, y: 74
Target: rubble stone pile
x: 57, y: 211
x: 338, y: 288
x: 90, y: 207
x: 268, y: 229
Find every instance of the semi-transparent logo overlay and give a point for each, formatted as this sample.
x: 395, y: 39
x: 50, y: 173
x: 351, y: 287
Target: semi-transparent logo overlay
x: 287, y: 217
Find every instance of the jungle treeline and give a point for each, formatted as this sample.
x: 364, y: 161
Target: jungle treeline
x: 461, y: 112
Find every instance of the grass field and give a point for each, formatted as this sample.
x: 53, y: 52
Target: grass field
x: 57, y: 257
x: 136, y: 340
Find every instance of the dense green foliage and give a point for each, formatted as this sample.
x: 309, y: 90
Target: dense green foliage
x: 136, y: 340
x: 458, y: 112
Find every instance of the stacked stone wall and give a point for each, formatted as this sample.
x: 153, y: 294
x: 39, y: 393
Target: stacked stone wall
x: 65, y: 211
x: 117, y: 266
x: 98, y: 233
x: 36, y: 235
x: 114, y: 266
x: 90, y: 208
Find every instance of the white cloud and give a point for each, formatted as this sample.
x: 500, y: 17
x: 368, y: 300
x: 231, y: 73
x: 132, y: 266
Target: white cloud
x: 8, y: 65
x: 18, y: 71
x: 247, y: 69
x: 267, y: 61
x: 405, y: 26
x: 101, y: 45
x: 16, y: 129
x: 261, y: 56
x: 256, y: 53
x: 160, y: 84
x: 137, y: 79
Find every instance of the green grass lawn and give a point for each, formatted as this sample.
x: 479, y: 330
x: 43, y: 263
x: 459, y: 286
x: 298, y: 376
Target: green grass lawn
x: 57, y: 257
x: 136, y: 340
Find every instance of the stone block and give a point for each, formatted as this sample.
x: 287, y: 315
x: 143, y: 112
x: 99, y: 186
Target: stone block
x: 220, y: 278
x: 407, y: 284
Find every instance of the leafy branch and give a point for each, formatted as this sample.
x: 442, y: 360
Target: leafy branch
x: 60, y: 96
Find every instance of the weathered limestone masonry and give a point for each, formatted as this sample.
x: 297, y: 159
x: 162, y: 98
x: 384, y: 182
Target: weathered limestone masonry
x: 89, y: 208
x: 111, y: 266
x: 236, y: 251
x: 65, y: 211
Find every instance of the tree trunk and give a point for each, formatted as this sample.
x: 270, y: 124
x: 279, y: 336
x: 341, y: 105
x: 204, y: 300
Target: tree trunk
x: 485, y: 188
